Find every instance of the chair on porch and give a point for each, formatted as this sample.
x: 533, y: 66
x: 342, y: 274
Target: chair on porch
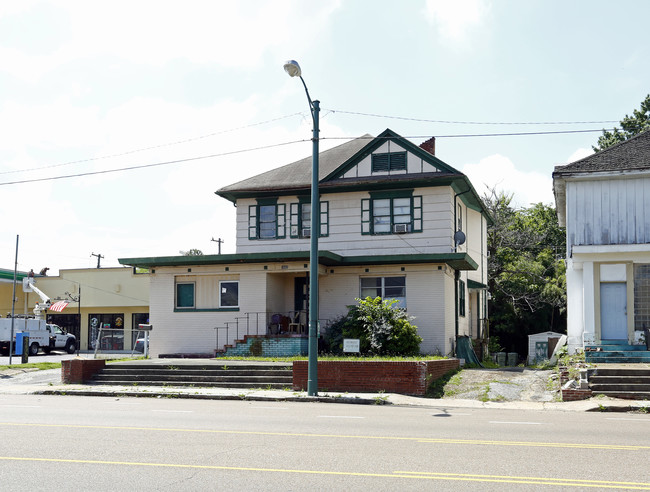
x: 274, y: 324
x: 298, y: 323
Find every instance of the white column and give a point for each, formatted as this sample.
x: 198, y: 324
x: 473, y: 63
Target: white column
x: 575, y: 306
x: 589, y: 309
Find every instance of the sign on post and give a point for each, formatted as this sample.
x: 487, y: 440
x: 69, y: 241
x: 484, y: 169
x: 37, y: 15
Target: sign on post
x: 351, y: 345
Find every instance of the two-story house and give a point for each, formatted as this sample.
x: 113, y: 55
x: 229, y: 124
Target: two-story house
x: 604, y: 202
x: 395, y: 222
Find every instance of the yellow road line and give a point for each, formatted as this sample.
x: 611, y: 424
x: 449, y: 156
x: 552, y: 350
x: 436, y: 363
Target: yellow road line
x: 555, y: 482
x: 617, y: 447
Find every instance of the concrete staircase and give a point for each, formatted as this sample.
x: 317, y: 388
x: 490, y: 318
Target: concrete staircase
x: 617, y: 353
x: 628, y: 383
x: 224, y: 374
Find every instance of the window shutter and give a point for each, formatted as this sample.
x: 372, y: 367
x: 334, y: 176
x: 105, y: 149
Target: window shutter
x: 293, y: 220
x: 324, y: 219
x: 365, y: 216
x: 380, y: 163
x: 417, y: 213
x: 397, y: 161
x: 252, y: 222
x: 281, y: 211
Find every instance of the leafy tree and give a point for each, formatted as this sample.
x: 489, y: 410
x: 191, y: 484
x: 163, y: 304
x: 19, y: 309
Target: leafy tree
x: 381, y: 329
x: 630, y: 126
x: 192, y: 252
x: 526, y: 271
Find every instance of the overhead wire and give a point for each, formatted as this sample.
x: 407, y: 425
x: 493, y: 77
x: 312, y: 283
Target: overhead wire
x: 153, y: 147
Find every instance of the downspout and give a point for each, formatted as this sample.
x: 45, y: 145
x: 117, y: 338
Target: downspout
x: 456, y: 272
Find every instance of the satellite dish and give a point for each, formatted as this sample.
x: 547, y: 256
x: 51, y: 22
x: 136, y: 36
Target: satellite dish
x: 459, y: 238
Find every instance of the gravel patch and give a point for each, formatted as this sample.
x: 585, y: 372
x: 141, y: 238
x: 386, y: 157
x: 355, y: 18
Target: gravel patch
x: 512, y: 384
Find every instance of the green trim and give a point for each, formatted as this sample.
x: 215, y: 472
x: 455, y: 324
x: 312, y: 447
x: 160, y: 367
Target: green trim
x: 457, y: 261
x: 324, y: 210
x: 280, y: 221
x: 366, y: 216
x: 473, y: 284
x: 462, y: 300
x: 9, y: 275
x: 385, y: 136
x: 267, y: 201
x: 391, y: 194
x: 208, y: 310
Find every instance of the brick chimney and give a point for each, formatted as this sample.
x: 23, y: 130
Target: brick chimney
x: 429, y: 146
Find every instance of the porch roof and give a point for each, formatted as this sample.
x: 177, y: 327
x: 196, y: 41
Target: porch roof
x: 457, y: 261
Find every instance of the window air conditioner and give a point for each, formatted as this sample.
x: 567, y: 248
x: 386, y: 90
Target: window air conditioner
x: 306, y: 232
x: 400, y: 228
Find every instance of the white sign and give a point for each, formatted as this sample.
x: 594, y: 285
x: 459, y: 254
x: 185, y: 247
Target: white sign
x: 351, y: 345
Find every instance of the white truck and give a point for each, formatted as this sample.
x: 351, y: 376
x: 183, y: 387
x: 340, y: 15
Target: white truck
x: 42, y: 335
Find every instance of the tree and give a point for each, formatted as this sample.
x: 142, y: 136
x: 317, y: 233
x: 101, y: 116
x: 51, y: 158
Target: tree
x: 525, y: 270
x: 192, y: 252
x: 630, y: 125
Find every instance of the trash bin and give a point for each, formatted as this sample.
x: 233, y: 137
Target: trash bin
x: 513, y: 357
x: 18, y: 346
x: 501, y: 358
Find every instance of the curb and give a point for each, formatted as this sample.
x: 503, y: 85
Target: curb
x: 186, y: 396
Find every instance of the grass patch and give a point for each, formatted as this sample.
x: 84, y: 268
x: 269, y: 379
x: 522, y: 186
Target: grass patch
x: 41, y: 366
x: 329, y: 357
x: 437, y: 387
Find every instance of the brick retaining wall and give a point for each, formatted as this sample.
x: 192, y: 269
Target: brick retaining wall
x: 80, y: 370
x: 408, y: 377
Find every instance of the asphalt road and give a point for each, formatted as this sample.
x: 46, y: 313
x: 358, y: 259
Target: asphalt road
x: 64, y: 442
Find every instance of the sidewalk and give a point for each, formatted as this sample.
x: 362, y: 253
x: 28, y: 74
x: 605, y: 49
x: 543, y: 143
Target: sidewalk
x: 34, y: 382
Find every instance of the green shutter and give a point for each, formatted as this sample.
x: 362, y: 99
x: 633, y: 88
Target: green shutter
x: 252, y: 222
x: 417, y: 213
x: 281, y: 211
x: 324, y: 219
x: 380, y: 163
x: 397, y: 161
x: 294, y: 224
x: 365, y: 216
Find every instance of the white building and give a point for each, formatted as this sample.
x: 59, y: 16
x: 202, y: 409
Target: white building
x: 604, y: 202
x: 389, y: 213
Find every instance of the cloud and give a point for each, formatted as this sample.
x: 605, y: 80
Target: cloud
x: 581, y: 153
x: 499, y: 172
x: 456, y: 18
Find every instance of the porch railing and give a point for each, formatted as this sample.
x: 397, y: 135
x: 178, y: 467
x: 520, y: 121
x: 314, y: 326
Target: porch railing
x: 262, y: 323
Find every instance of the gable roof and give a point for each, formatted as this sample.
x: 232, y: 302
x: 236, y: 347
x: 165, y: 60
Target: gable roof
x: 297, y: 175
x: 631, y: 154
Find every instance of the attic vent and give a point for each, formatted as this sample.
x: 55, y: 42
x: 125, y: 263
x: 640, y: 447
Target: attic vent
x: 395, y: 161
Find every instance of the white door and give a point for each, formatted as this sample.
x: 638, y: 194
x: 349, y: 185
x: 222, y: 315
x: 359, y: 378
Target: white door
x: 613, y: 311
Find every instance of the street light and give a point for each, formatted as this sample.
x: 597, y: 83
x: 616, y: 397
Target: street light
x: 293, y: 69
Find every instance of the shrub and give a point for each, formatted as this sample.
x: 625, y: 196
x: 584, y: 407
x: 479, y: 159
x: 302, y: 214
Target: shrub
x: 381, y: 328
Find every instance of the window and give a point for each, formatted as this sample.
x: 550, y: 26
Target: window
x: 397, y: 214
x: 185, y: 295
x: 228, y: 294
x: 394, y: 161
x: 300, y: 219
x: 460, y: 218
x: 386, y: 288
x: 266, y: 220
x: 461, y: 298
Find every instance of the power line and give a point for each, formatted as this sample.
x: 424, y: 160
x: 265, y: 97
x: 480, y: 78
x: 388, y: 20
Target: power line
x: 240, y: 151
x: 153, y: 147
x: 155, y: 164
x: 452, y: 122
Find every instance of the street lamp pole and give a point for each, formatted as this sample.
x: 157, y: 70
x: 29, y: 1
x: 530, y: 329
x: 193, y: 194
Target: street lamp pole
x: 293, y: 69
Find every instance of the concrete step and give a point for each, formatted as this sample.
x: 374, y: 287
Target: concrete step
x: 627, y: 395
x: 237, y: 375
x: 194, y: 378
x: 621, y: 372
x: 200, y: 372
x: 628, y: 387
x: 617, y: 359
x: 194, y: 384
x: 615, y: 347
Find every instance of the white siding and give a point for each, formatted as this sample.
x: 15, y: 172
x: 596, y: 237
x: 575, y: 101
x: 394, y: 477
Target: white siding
x: 608, y: 211
x: 345, y: 236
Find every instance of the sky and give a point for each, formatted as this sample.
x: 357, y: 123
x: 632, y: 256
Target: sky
x: 119, y: 120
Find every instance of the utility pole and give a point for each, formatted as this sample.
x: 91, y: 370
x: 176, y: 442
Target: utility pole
x: 218, y: 241
x: 99, y: 258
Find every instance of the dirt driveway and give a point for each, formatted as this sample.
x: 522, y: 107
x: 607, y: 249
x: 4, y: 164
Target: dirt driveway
x: 505, y: 384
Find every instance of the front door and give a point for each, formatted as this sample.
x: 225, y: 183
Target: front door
x: 613, y: 311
